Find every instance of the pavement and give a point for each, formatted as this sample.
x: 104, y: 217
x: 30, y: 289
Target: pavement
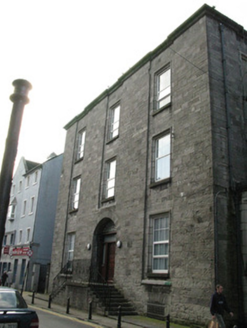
x: 41, y: 301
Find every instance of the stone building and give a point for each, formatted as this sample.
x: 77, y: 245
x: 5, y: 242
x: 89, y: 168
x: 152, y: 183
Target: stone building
x: 27, y: 244
x: 153, y: 191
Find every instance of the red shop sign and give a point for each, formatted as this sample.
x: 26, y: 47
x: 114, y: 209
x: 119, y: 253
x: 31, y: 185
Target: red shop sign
x: 6, y: 250
x: 21, y: 251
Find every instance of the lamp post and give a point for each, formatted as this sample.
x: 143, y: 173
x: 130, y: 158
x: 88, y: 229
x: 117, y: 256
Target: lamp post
x: 19, y: 99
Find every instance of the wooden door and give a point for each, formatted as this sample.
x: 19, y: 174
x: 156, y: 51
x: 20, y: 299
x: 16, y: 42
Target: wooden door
x: 108, y: 261
x: 111, y: 261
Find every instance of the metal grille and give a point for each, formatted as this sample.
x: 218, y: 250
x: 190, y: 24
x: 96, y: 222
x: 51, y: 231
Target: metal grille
x: 156, y: 311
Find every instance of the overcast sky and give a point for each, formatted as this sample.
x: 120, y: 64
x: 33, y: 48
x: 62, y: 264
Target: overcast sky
x: 72, y: 50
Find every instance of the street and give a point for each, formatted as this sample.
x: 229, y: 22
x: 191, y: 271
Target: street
x: 49, y: 319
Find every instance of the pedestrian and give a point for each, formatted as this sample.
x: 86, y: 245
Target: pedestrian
x: 4, y: 278
x: 219, y: 305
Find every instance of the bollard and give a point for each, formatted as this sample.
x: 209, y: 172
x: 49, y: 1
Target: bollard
x: 119, y: 317
x: 68, y: 305
x: 90, y: 311
x: 168, y: 321
x: 49, y: 302
x: 33, y: 298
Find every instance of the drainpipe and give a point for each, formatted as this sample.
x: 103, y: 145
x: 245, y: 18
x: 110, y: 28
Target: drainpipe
x: 232, y: 187
x: 228, y: 119
x: 69, y: 197
x: 216, y: 245
x: 19, y: 99
x: 146, y: 178
x: 103, y: 151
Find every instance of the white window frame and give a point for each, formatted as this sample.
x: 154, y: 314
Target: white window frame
x: 32, y: 205
x: 12, y: 211
x: 27, y: 181
x: 114, y: 118
x: 163, y: 88
x: 36, y: 174
x: 81, y: 144
x: 161, y: 243
x: 110, y: 178
x: 71, y: 246
x: 28, y: 235
x: 20, y: 236
x: 76, y: 187
x: 162, y: 157
x: 70, y: 251
x: 20, y: 186
x: 12, y: 238
x: 24, y: 207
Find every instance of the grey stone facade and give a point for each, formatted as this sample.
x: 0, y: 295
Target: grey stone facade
x: 206, y: 122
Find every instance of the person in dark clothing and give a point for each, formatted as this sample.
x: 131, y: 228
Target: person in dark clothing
x: 219, y: 305
x: 4, y: 278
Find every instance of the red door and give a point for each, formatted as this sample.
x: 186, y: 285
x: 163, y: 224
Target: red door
x: 108, y: 261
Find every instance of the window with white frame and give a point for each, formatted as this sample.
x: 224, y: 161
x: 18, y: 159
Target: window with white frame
x: 27, y: 181
x: 110, y: 179
x: 70, y: 250
x: 76, y: 186
x: 28, y: 235
x: 161, y: 157
x: 163, y: 88
x: 12, y: 238
x: 20, y: 236
x: 36, y: 175
x: 81, y: 144
x: 5, y: 240
x: 114, y: 115
x: 20, y: 186
x: 159, y: 235
x: 32, y: 205
x: 12, y: 209
x: 24, y: 207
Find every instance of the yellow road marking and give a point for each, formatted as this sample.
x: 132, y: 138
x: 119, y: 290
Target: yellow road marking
x: 64, y: 316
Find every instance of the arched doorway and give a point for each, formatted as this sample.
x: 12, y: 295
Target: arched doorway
x: 104, y: 251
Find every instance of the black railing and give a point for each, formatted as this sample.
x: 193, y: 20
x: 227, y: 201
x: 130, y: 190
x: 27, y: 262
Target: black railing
x: 102, y: 290
x: 60, y: 279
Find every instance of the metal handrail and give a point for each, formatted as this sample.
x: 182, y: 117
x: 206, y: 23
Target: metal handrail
x: 58, y: 284
x: 106, y: 290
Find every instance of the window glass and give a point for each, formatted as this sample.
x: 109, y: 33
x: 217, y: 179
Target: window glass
x: 32, y: 205
x: 81, y: 144
x: 76, y: 193
x: 162, y: 157
x: 110, y: 183
x: 163, y: 82
x: 114, y: 122
x: 161, y: 244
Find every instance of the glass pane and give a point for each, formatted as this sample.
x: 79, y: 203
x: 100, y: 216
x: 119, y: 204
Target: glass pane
x: 164, y: 93
x: 164, y: 80
x: 116, y: 113
x: 112, y: 169
x: 164, y: 101
x: 163, y: 146
x: 160, y: 264
x: 111, y: 183
x: 78, y: 186
x: 159, y: 249
x: 110, y: 192
x: 162, y: 168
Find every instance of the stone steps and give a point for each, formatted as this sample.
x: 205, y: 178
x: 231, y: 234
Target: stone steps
x: 111, y: 298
